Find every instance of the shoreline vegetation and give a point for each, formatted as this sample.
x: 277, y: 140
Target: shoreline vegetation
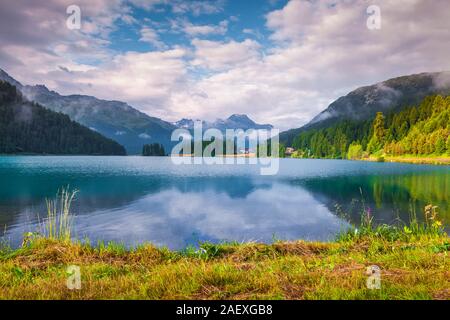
x: 436, y: 160
x: 428, y: 160
x: 412, y: 259
x: 416, y: 134
x: 28, y: 127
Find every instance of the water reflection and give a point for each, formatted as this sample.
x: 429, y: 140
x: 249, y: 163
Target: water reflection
x: 132, y: 199
x: 176, y: 218
x: 389, y: 197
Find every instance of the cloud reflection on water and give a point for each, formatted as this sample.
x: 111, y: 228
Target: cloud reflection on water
x: 176, y: 218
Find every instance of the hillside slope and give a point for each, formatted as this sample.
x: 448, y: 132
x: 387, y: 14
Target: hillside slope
x: 235, y: 121
x: 113, y: 119
x: 416, y: 130
x: 27, y: 127
x: 388, y: 96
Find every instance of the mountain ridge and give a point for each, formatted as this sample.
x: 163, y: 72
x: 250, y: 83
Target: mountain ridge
x: 118, y: 120
x: 387, y: 96
x: 235, y: 121
x: 114, y: 119
x: 27, y: 127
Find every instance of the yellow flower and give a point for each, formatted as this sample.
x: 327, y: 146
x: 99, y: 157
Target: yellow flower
x: 437, y: 224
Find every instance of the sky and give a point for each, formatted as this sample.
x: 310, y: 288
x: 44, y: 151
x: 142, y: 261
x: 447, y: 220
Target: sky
x: 278, y: 61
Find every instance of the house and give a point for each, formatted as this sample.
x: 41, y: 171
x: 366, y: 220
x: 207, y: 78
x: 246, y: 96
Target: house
x: 289, y: 151
x: 244, y: 151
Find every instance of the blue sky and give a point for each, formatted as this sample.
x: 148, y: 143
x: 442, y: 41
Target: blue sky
x: 279, y: 61
x: 242, y: 17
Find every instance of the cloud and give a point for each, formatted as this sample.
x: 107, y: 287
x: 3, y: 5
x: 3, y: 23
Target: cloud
x: 198, y: 7
x: 196, y: 30
x: 442, y: 80
x: 316, y: 51
x: 151, y: 36
x: 144, y: 136
x: 216, y: 55
x: 321, y: 50
x: 37, y: 35
x: 144, y: 79
x: 193, y: 7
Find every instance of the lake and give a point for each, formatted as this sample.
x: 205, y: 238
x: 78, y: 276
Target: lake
x: 148, y: 199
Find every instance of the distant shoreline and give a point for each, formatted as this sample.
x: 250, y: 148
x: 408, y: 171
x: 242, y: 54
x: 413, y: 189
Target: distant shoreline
x: 439, y: 160
x: 248, y: 155
x: 430, y: 160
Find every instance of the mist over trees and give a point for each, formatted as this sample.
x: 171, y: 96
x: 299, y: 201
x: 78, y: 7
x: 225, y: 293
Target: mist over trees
x: 416, y: 130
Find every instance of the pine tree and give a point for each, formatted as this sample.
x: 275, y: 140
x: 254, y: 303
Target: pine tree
x: 153, y: 150
x: 355, y: 151
x: 379, y: 132
x: 448, y: 145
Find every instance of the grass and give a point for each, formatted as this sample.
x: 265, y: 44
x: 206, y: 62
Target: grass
x: 413, y: 260
x: 58, y: 224
x: 418, y: 159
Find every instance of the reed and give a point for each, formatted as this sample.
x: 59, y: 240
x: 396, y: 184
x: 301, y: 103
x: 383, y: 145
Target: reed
x: 59, y: 221
x: 431, y: 226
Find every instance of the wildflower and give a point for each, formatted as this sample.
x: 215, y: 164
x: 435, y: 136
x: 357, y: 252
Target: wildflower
x: 437, y: 224
x: 201, y: 251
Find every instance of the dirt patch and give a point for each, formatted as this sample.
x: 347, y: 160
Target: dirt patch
x: 301, y: 248
x: 442, y: 295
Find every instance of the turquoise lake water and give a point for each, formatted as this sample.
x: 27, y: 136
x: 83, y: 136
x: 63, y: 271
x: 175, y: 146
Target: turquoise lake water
x: 137, y: 199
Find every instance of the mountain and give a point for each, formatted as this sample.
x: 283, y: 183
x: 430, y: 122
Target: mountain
x: 113, y: 119
x: 185, y: 123
x: 420, y: 130
x: 7, y: 78
x: 389, y: 96
x: 27, y: 127
x: 236, y: 121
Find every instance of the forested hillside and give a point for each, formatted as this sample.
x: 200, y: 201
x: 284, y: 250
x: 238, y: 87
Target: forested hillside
x: 388, y: 96
x: 26, y: 127
x: 416, y: 130
x: 113, y: 119
x: 153, y: 150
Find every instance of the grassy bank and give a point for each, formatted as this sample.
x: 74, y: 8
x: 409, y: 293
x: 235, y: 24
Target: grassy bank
x: 436, y: 160
x: 415, y: 269
x: 439, y: 160
x: 413, y: 262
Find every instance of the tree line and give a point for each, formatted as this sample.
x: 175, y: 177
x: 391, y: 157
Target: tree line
x: 153, y: 150
x: 27, y: 127
x: 416, y: 130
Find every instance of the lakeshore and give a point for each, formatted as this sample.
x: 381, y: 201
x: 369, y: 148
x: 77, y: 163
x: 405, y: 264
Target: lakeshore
x: 158, y: 263
x: 417, y: 268
x: 438, y: 160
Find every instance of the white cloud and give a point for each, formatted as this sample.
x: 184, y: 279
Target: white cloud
x: 144, y: 79
x: 319, y: 51
x: 194, y: 7
x: 195, y: 30
x: 198, y: 7
x: 149, y: 35
x: 217, y: 55
x: 144, y: 136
